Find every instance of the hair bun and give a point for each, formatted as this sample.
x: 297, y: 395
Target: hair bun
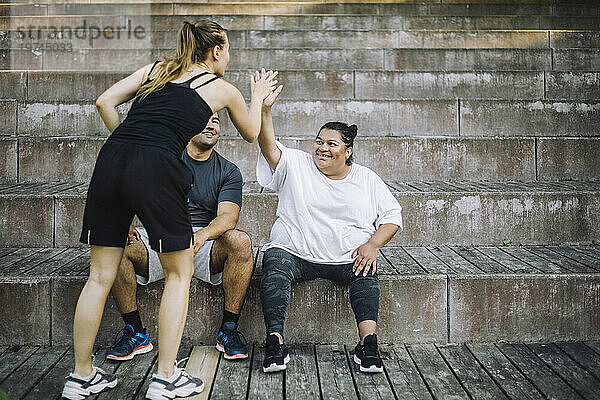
x: 353, y: 130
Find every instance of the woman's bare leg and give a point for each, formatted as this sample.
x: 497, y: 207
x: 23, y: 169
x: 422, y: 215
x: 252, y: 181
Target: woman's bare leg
x: 90, y: 306
x: 178, y: 267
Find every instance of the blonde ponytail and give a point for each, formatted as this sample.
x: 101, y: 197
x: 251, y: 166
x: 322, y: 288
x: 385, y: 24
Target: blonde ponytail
x: 194, y: 43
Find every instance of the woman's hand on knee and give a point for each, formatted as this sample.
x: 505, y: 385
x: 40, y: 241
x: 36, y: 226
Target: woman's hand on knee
x: 365, y: 259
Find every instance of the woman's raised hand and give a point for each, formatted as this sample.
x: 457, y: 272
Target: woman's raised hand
x: 262, y: 84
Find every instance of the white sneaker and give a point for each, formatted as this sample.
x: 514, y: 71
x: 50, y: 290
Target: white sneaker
x: 78, y: 388
x: 180, y: 384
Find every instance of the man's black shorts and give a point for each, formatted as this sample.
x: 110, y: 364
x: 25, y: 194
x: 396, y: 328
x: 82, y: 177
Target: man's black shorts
x: 143, y: 180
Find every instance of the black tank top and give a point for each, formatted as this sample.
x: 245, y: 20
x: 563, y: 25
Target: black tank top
x: 167, y: 118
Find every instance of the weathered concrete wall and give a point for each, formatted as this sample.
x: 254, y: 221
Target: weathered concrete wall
x: 430, y: 219
x: 413, y: 309
x: 529, y: 118
x: 524, y: 308
x: 560, y: 159
x: 57, y: 159
x: 26, y: 221
x: 8, y: 160
x: 25, y: 311
x: 399, y: 159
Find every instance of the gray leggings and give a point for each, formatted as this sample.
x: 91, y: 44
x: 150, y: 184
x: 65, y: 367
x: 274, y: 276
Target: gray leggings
x: 280, y: 269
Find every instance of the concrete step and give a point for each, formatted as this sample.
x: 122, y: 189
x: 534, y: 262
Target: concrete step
x: 437, y: 294
x: 86, y: 86
x: 308, y: 22
x: 52, y: 159
x: 464, y: 60
x: 264, y: 8
x: 435, y: 213
x: 30, y: 39
x: 390, y: 117
x: 18, y: 39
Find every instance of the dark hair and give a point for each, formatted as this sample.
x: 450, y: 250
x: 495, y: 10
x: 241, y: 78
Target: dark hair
x: 348, y: 133
x: 194, y: 42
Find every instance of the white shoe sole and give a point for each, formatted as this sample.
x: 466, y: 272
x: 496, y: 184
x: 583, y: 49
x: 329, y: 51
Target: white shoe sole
x: 277, y: 367
x: 154, y: 394
x: 141, y: 350
x: 76, y: 393
x: 371, y: 369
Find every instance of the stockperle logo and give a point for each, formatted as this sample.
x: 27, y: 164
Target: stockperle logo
x: 38, y: 37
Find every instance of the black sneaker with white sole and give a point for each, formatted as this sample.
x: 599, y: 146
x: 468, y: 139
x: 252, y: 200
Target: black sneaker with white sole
x: 78, y: 387
x: 180, y: 384
x: 367, y: 356
x: 276, y: 355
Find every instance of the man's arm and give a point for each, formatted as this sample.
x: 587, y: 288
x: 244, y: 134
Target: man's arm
x: 228, y: 214
x: 366, y: 254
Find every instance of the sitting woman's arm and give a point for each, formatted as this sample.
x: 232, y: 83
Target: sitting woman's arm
x: 366, y: 254
x: 266, y: 139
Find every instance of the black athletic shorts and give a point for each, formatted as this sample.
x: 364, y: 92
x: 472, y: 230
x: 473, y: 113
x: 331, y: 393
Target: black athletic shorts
x: 147, y: 181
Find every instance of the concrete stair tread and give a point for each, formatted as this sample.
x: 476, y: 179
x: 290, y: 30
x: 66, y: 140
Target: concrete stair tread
x: 428, y: 294
x: 75, y: 189
x: 436, y: 213
x: 318, y: 21
x: 394, y: 261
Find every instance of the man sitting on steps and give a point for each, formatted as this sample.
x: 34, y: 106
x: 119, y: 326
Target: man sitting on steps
x: 222, y: 253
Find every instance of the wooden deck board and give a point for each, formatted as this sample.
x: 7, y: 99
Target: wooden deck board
x: 428, y: 261
x: 39, y: 258
x: 509, y: 261
x: 437, y: 375
x: 403, y: 374
x: 565, y: 262
x: 403, y: 263
x: 334, y: 375
x: 538, y: 373
x: 264, y: 386
x: 29, y: 373
x: 542, y: 264
x: 577, y: 256
x: 12, y: 359
x: 231, y: 381
x: 203, y: 363
x: 16, y: 256
x: 369, y: 386
x: 132, y: 375
x: 458, y: 263
x: 584, y: 355
x: 503, y: 372
x: 475, y: 380
x: 483, y: 262
x: 301, y: 376
x: 577, y: 377
x: 51, y: 385
x: 531, y: 371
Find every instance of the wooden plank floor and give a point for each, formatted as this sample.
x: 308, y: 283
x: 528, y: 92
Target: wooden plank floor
x: 425, y: 371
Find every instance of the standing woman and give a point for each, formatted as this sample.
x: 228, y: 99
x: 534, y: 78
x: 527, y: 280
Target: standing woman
x: 139, y: 172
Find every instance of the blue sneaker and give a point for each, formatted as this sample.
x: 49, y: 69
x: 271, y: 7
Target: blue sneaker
x: 129, y: 344
x: 229, y: 342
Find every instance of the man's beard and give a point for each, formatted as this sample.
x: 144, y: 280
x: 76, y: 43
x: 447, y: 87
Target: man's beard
x: 202, y: 145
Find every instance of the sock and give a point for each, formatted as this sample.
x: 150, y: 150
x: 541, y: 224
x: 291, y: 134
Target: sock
x: 133, y: 319
x: 229, y: 317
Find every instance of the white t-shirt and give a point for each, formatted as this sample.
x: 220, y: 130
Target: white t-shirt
x: 320, y: 219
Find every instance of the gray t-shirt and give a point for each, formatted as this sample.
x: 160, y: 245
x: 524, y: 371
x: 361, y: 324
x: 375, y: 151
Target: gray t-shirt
x: 215, y: 180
